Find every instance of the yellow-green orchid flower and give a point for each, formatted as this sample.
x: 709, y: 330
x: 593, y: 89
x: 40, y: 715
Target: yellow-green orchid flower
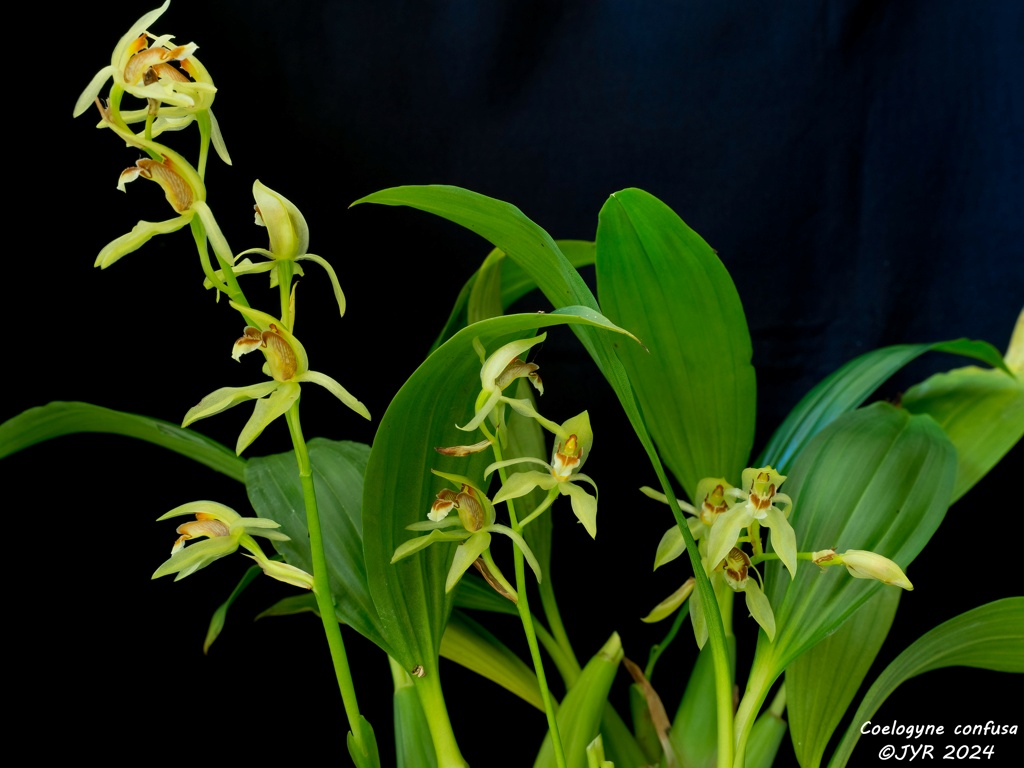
x: 141, y: 69
x: 289, y: 241
x: 497, y: 372
x: 475, y: 522
x: 865, y: 565
x: 562, y: 476
x: 286, y: 363
x: 182, y: 186
x: 141, y: 65
x: 225, y: 531
x: 757, y: 505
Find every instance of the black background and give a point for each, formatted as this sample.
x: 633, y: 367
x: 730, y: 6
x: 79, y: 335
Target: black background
x: 857, y: 165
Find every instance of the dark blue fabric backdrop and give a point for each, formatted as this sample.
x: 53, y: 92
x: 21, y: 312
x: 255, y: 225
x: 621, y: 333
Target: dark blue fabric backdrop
x: 857, y: 165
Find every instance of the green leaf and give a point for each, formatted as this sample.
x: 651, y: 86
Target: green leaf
x: 817, y: 698
x: 59, y: 418
x: 469, y: 644
x: 990, y: 636
x: 275, y: 492
x: 982, y: 412
x: 579, y: 716
x: 409, y: 595
x: 221, y: 614
x: 877, y: 479
x: 851, y: 385
x: 515, y: 283
x: 696, y: 385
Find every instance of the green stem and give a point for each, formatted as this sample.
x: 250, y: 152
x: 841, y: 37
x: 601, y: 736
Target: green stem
x: 321, y: 582
x: 225, y: 258
x: 758, y: 685
x: 428, y: 688
x: 284, y: 286
x: 526, y: 617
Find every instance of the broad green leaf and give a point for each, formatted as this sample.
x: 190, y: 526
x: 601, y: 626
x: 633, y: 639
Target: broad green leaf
x: 815, y: 709
x: 58, y: 418
x: 275, y: 491
x: 221, y: 614
x: 515, y: 283
x: 851, y: 385
x: 579, y: 716
x: 982, y: 412
x: 990, y: 636
x: 409, y: 595
x: 470, y: 644
x: 414, y: 746
x: 695, y: 385
x: 876, y: 479
x: 533, y: 249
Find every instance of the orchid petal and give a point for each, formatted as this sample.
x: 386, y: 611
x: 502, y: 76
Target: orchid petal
x: 190, y: 559
x: 92, y: 90
x: 337, y: 390
x: 227, y: 397
x: 724, y: 533
x: 481, y: 414
x: 584, y: 506
x: 511, y: 462
x: 521, y: 483
x: 218, y: 139
x: 520, y: 542
x: 670, y: 604
x: 141, y: 234
x: 672, y: 545
x: 412, y: 546
x: 212, y: 508
x: 783, y: 538
x: 465, y: 555
x: 267, y: 410
x: 760, y: 608
x: 525, y: 408
x: 339, y: 296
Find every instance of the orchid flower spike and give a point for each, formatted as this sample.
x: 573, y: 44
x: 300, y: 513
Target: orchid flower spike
x: 288, y: 367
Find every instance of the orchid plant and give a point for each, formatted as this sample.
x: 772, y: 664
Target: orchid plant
x: 404, y: 541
